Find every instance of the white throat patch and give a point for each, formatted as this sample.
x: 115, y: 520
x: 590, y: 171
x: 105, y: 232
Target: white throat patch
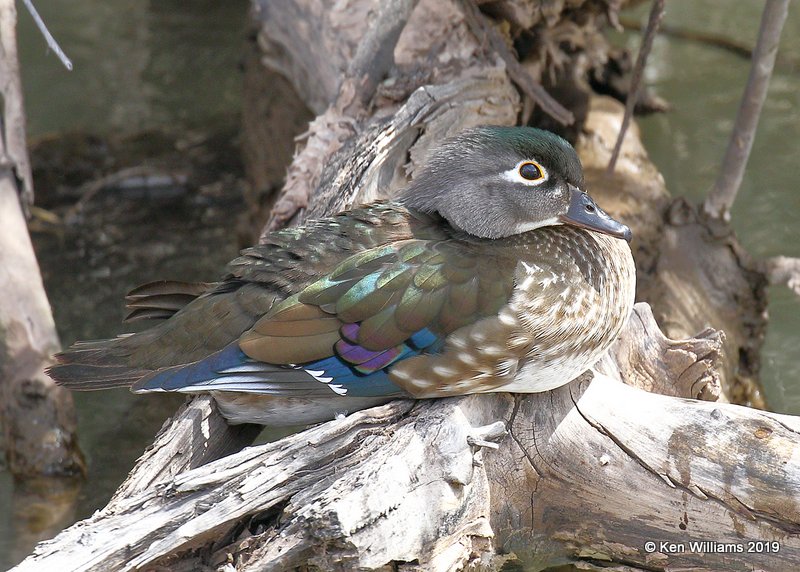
x: 532, y: 225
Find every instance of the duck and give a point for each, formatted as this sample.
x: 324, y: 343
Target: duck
x: 492, y: 271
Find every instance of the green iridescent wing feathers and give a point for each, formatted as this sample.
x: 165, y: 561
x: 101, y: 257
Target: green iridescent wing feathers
x: 391, y: 292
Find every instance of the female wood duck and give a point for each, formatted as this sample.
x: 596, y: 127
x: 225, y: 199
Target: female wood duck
x: 493, y: 271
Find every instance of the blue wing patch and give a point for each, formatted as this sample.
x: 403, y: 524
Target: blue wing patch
x: 231, y: 370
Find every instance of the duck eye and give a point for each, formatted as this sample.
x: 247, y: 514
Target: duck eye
x: 531, y: 171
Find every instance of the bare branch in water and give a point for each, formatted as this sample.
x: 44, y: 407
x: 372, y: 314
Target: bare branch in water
x: 51, y: 41
x: 656, y: 13
x: 783, y: 271
x: 721, y: 197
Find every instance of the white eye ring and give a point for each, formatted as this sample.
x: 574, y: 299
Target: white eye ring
x: 514, y: 175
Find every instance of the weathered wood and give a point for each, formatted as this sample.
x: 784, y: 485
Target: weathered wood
x: 486, y: 33
x: 586, y: 474
x: 185, y: 444
x: 704, y: 276
x: 377, y: 168
x: 691, y: 270
x: 603, y: 468
x: 328, y: 132
x: 38, y: 417
x: 692, y: 363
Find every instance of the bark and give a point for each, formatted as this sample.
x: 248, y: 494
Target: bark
x: 585, y: 474
x: 38, y: 417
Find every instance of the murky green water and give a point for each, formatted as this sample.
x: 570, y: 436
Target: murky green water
x: 141, y: 65
x: 144, y: 68
x: 704, y: 85
x: 138, y: 64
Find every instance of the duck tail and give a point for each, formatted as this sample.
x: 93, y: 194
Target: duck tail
x: 163, y: 299
x: 87, y: 366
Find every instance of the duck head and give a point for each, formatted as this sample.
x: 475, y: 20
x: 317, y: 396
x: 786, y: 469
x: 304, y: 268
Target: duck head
x: 495, y: 182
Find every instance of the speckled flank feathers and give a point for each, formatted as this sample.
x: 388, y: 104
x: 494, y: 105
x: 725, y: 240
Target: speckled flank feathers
x: 563, y: 314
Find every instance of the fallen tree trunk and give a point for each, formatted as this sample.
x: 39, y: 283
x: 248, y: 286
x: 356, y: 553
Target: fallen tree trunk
x: 38, y: 417
x: 588, y: 473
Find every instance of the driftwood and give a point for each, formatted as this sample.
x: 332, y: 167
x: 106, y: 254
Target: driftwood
x: 691, y: 269
x: 588, y: 474
x: 38, y: 417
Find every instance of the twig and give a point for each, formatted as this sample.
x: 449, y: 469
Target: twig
x: 656, y: 13
x: 783, y: 271
x: 485, y: 32
x: 721, y: 197
x: 51, y: 41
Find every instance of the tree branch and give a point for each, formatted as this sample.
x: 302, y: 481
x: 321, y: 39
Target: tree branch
x: 783, y: 271
x: 488, y: 34
x: 656, y: 14
x: 722, y: 196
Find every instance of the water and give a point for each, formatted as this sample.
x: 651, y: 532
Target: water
x: 137, y: 64
x: 144, y: 65
x: 148, y: 77
x: 704, y: 85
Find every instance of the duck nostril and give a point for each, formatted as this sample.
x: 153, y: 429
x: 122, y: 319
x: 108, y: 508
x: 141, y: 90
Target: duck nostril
x: 589, y: 208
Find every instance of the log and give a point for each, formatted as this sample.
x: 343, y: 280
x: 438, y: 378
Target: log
x: 691, y: 269
x: 38, y: 417
x: 586, y: 474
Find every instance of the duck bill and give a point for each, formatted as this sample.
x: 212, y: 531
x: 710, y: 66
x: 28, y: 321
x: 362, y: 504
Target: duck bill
x: 585, y: 213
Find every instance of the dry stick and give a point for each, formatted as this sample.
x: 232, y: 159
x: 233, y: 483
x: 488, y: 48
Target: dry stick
x: 656, y: 13
x: 51, y: 41
x: 721, y: 197
x: 485, y: 32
